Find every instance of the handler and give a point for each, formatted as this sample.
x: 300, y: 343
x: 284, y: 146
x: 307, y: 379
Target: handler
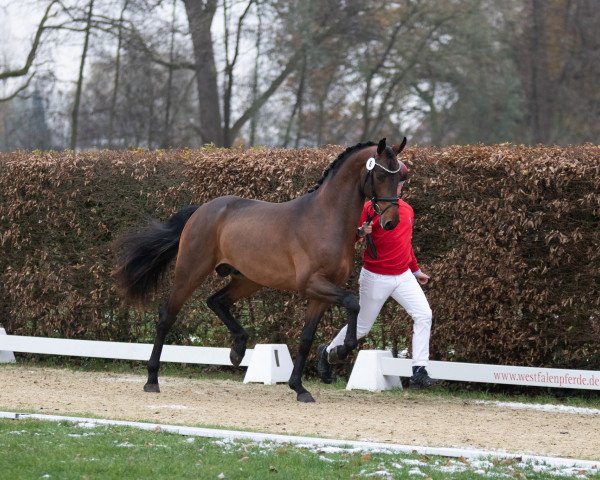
x: 390, y: 269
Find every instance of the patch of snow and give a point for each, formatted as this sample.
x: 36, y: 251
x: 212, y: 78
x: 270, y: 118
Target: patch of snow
x: 571, y: 472
x: 416, y: 472
x: 378, y: 473
x: 455, y: 468
x: 542, y: 407
x: 325, y: 459
x: 87, y: 425
x: 481, y: 464
x: 168, y: 407
x: 125, y: 445
x: 330, y: 449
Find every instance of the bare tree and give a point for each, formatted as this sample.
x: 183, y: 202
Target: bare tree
x: 255, y: 74
x: 169, y: 90
x: 297, y: 109
x: 75, y: 111
x: 113, y: 100
x: 394, y: 57
x: 200, y: 14
x: 539, y: 97
x: 24, y: 70
x: 230, y: 63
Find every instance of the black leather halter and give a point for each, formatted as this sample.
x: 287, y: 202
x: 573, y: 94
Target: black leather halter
x: 376, y: 199
x: 375, y: 203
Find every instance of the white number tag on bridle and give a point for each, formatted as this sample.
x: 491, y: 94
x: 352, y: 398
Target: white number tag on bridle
x: 370, y: 164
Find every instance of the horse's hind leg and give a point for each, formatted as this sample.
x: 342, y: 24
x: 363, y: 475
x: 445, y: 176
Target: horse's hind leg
x: 313, y: 315
x: 220, y: 303
x: 183, y: 286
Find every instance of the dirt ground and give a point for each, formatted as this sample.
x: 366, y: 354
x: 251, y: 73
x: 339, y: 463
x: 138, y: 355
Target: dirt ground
x: 407, y: 417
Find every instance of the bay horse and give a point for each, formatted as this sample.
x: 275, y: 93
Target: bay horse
x: 304, y: 245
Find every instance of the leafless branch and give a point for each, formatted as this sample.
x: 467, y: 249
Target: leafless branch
x: 36, y: 43
x: 18, y: 90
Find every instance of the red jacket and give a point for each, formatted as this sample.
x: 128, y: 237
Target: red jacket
x: 395, y: 254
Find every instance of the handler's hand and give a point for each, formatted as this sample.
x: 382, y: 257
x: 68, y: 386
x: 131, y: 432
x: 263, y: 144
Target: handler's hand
x: 422, y: 278
x: 367, y: 228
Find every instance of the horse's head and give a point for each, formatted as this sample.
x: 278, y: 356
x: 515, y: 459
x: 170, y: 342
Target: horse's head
x: 384, y: 171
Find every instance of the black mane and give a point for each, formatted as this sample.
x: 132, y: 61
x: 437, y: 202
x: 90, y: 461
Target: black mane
x: 333, y: 166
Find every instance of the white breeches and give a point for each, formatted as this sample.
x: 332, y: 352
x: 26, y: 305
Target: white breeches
x: 374, y: 290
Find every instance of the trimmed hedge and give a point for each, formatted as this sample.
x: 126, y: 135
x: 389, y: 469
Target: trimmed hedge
x: 509, y: 234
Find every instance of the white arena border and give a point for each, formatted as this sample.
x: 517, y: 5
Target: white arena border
x: 316, y: 442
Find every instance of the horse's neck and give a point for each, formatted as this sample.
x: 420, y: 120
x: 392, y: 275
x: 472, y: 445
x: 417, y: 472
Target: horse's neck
x: 342, y: 194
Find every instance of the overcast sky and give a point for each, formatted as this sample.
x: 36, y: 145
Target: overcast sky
x: 17, y: 25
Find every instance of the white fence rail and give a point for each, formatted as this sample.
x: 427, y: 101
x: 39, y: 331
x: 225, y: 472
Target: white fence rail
x: 378, y: 370
x: 267, y: 363
x: 374, y: 370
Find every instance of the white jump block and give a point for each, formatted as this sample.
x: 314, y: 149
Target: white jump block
x: 5, y: 356
x: 270, y: 363
x: 367, y: 373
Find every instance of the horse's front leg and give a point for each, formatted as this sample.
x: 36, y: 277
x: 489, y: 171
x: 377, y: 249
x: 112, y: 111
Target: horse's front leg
x: 331, y: 293
x: 341, y: 352
x: 313, y: 315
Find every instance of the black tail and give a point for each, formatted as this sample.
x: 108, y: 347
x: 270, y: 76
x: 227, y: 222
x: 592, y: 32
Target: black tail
x: 143, y: 257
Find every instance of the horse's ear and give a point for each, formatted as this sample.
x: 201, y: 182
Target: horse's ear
x: 381, y: 146
x: 398, y: 148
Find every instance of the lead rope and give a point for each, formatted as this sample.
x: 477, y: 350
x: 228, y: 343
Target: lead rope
x: 370, y: 243
x: 369, y: 239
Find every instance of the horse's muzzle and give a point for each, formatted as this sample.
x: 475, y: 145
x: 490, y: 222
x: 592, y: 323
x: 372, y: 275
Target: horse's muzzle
x: 389, y: 221
x: 389, y: 225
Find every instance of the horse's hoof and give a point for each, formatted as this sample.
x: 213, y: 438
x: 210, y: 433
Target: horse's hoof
x: 337, y: 355
x: 235, y: 358
x: 305, y: 397
x: 152, y: 387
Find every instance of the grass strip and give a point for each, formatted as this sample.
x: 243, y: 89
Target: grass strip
x: 37, y: 449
